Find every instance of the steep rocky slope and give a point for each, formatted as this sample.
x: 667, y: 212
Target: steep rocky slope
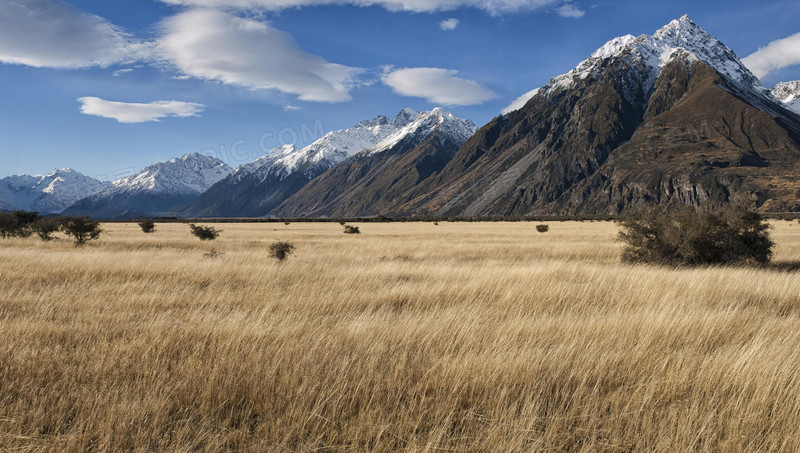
x: 378, y: 180
x: 669, y: 118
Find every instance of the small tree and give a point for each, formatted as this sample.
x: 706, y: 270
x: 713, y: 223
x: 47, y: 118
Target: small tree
x: 281, y: 250
x: 686, y: 237
x: 350, y: 229
x: 8, y: 225
x: 543, y: 228
x: 82, y: 229
x: 45, y: 227
x: 205, y: 233
x: 17, y: 223
x: 147, y: 225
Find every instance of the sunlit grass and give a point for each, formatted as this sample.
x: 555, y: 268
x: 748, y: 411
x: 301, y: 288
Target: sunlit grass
x: 410, y: 336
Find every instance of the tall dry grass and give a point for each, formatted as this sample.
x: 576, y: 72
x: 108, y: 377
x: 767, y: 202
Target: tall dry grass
x: 410, y: 337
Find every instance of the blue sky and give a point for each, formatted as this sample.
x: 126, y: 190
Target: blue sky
x: 236, y: 77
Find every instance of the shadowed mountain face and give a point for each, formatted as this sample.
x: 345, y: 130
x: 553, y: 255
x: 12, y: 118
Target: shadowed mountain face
x: 378, y: 181
x: 672, y: 118
x: 257, y: 188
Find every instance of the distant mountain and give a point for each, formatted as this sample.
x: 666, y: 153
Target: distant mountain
x: 789, y: 94
x: 48, y: 194
x: 376, y: 181
x: 158, y: 190
x: 255, y: 189
x: 673, y: 118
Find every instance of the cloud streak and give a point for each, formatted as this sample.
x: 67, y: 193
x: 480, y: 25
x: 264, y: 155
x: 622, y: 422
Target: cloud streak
x: 128, y: 112
x: 438, y: 86
x: 52, y: 34
x: 521, y: 101
x: 215, y: 45
x: 417, y: 6
x: 776, y: 55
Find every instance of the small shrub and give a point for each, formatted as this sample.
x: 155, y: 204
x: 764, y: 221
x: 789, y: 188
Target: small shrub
x: 341, y: 222
x: 435, y: 223
x: 350, y: 229
x: 281, y: 250
x: 82, y: 229
x: 205, y: 233
x: 286, y: 223
x: 147, y: 225
x: 45, y: 227
x: 543, y: 228
x: 734, y: 235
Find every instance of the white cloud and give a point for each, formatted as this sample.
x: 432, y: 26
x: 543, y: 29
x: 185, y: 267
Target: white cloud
x: 570, y: 10
x: 521, y: 101
x: 119, y: 72
x: 289, y: 107
x: 449, y: 24
x: 438, y: 86
x: 419, y: 6
x: 52, y: 34
x: 214, y: 45
x: 775, y: 55
x: 127, y: 112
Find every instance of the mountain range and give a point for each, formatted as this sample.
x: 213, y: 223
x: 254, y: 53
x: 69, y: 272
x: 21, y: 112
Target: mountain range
x: 48, y: 194
x: 673, y: 118
x: 157, y: 190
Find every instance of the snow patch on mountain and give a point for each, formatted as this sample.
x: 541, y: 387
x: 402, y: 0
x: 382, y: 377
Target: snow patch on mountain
x: 426, y: 123
x: 681, y: 38
x: 191, y: 174
x: 789, y: 94
x: 333, y: 148
x: 48, y: 194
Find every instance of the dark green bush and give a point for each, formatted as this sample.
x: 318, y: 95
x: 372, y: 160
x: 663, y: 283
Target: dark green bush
x: 543, y: 228
x: 281, y: 250
x: 350, y: 229
x: 17, y: 223
x: 147, y: 225
x: 82, y: 229
x: 205, y: 233
x: 45, y: 227
x: 733, y: 235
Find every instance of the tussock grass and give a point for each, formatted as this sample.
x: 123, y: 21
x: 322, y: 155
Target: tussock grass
x: 467, y: 337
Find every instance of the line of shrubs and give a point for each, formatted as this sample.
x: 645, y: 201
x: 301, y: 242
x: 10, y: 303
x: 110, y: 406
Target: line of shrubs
x: 26, y: 224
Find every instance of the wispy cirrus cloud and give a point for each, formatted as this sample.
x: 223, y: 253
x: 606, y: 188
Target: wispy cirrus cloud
x: 215, y: 45
x: 438, y: 86
x: 418, y: 6
x: 53, y: 34
x: 132, y: 112
x: 776, y: 55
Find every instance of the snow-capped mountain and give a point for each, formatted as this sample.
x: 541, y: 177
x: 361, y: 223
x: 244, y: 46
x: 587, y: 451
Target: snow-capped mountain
x: 156, y: 190
x: 789, y: 94
x: 378, y: 180
x: 191, y: 174
x: 424, y: 125
x: 674, y: 119
x: 680, y: 39
x: 254, y: 189
x: 48, y: 194
x: 329, y: 150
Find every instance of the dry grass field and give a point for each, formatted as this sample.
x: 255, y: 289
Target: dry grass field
x: 467, y: 337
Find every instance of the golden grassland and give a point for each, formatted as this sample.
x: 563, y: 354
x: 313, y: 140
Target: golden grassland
x: 469, y: 337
